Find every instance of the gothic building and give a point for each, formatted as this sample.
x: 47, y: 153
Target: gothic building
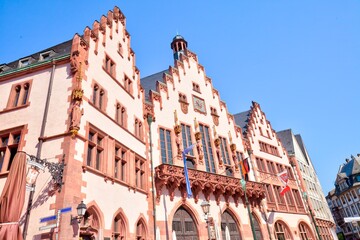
x: 122, y: 139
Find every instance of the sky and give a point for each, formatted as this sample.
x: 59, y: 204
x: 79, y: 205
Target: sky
x: 300, y: 60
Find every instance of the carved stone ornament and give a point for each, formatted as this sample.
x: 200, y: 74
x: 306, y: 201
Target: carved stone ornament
x: 217, y: 142
x: 184, y: 107
x: 197, y: 136
x: 215, y: 119
x: 77, y: 94
x: 177, y: 129
x: 172, y: 177
x: 233, y: 147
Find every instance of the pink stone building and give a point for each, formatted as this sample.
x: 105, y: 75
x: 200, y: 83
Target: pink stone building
x: 122, y: 139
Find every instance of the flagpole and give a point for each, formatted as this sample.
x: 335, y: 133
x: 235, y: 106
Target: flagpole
x: 150, y: 120
x: 257, y: 180
x: 243, y: 184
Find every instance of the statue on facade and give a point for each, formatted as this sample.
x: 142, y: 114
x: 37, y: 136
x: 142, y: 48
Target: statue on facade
x: 76, y: 113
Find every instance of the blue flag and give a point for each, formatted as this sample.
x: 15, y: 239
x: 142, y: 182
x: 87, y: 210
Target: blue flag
x: 188, y: 187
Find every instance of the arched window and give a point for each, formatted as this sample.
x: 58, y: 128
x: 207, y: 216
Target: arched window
x: 119, y: 228
x: 90, y: 225
x: 95, y: 92
x: 257, y: 228
x: 305, y: 232
x: 229, y: 226
x: 140, y: 231
x: 184, y: 226
x: 26, y: 93
x: 17, y: 95
x: 101, y: 99
x: 281, y: 231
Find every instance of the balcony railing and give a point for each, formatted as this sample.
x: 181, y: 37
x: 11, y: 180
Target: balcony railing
x: 172, y: 177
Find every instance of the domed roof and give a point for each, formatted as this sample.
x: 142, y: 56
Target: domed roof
x: 178, y: 37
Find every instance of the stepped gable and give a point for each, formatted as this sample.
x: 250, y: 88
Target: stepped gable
x: 250, y: 120
x: 242, y: 119
x: 54, y: 51
x: 149, y: 83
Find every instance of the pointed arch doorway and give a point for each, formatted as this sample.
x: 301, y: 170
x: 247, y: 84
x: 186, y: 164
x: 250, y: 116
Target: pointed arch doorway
x: 184, y: 226
x: 227, y: 220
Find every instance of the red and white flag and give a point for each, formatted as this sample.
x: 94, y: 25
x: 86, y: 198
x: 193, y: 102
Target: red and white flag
x: 284, y: 178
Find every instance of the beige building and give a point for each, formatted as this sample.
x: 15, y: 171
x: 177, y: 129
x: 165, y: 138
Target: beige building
x: 311, y: 187
x: 122, y: 139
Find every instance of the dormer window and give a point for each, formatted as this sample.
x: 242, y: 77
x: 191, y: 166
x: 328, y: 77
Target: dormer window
x: 45, y: 56
x: 3, y: 68
x: 24, y: 62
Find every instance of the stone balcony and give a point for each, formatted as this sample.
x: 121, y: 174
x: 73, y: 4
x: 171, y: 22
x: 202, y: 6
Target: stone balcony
x: 172, y: 177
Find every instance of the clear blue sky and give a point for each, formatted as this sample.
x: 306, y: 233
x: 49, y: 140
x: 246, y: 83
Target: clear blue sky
x: 299, y: 59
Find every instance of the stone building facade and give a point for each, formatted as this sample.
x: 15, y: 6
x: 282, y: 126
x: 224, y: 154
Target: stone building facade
x: 122, y: 139
x: 311, y: 187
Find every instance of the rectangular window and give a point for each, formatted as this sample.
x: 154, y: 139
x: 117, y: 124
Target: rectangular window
x: 239, y: 156
x: 291, y: 175
x: 260, y: 164
x: 120, y: 163
x: 269, y: 193
x: 9, y: 143
x: 289, y: 198
x: 207, y: 149
x: 166, y: 146
x: 186, y: 137
x: 224, y: 150
x: 95, y: 148
x: 140, y: 173
x: 271, y: 170
x: 268, y: 148
x: 280, y: 199
x: 297, y: 198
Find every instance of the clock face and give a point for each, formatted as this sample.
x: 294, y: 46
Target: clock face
x: 199, y: 104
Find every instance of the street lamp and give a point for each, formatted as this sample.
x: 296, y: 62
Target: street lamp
x: 56, y: 170
x: 32, y: 174
x: 205, y: 205
x: 81, y: 209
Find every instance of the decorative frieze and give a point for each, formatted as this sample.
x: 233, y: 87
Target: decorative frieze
x: 172, y: 177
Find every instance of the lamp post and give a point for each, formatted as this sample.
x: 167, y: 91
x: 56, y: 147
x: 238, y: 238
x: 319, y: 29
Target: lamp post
x: 243, y: 185
x: 205, y: 205
x: 56, y: 170
x: 81, y: 209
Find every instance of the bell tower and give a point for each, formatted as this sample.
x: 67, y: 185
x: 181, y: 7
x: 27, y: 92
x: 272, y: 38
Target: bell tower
x: 178, y: 45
